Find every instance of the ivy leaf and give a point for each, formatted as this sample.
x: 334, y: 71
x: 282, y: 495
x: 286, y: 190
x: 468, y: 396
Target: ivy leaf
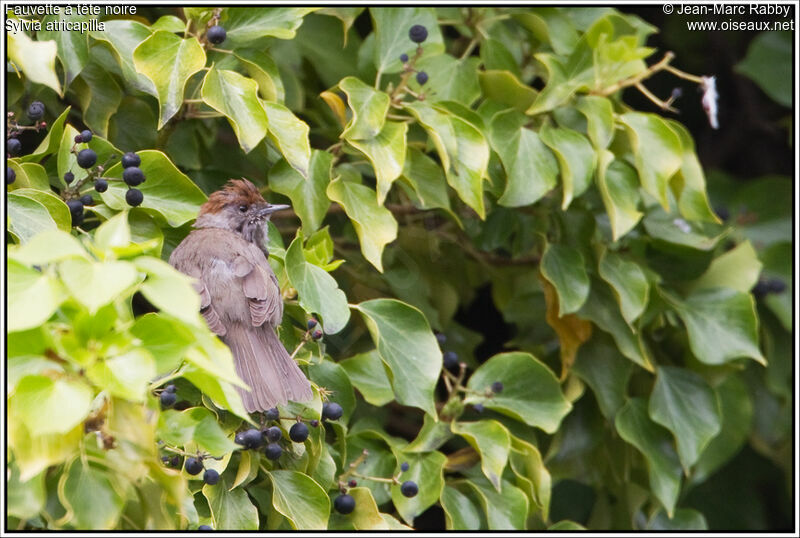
x: 318, y: 291
x: 654, y: 442
x: 230, y: 507
x: 25, y: 499
x: 427, y: 180
x: 28, y: 217
x: 689, y: 184
x: 601, y: 366
x: 505, y: 88
x: 125, y: 376
x: 73, y: 47
x: 89, y: 496
x: 334, y: 378
x: 492, y: 441
x: 599, y: 113
x: 462, y: 511
x: 391, y: 35
x: 366, y: 515
x: 306, y: 193
x: 168, y: 61
x: 684, y: 519
x: 531, y: 393
x: 387, y: 153
x: 505, y: 509
x: 49, y: 406
x: 721, y: 323
x: 618, y: 185
x: 369, y: 107
x: 737, y: 269
x: 449, y: 79
x: 123, y: 36
x: 684, y: 403
x: 99, y: 95
x: 533, y: 477
x: 407, y: 346
x: 250, y: 26
x: 564, y: 267
x: 36, y: 59
x: 51, y: 141
x: 530, y: 167
x: 263, y: 69
x: 373, y: 223
x: 300, y: 499
x: 575, y: 158
x: 96, y: 284
x: 289, y: 134
x: 367, y: 373
x: 426, y: 469
x: 47, y: 247
x: 657, y: 151
x: 629, y: 283
x: 32, y: 296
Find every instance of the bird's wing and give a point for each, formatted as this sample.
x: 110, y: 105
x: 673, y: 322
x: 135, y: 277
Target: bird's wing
x: 206, y: 308
x: 261, y: 289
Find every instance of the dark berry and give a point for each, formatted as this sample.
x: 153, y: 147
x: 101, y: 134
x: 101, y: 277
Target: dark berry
x: 313, y: 423
x: 497, y: 387
x: 87, y: 199
x: 205, y: 528
x: 332, y: 411
x: 298, y: 432
x: 404, y: 57
x: 239, y: 438
x: 165, y: 460
x: 760, y: 289
x: 170, y: 388
x: 175, y: 461
x: 11, y: 175
x: 450, y: 360
x: 78, y: 138
x: 272, y: 414
x: 86, y: 158
x: 130, y: 159
x: 133, y: 176
x: 404, y: 466
x: 216, y: 34
x: 77, y: 219
x: 441, y: 338
x: 75, y: 207
x: 100, y: 185
x: 251, y: 438
x: 69, y: 177
x: 478, y: 408
x: 409, y: 488
x: 676, y: 93
x: 168, y: 399
x: 352, y: 483
x: 422, y: 77
x: 311, y: 323
x: 273, y: 434
x: 776, y: 285
x: 14, y: 146
x: 134, y: 197
x: 86, y: 135
x: 418, y: 33
x: 273, y: 451
x: 210, y: 477
x: 193, y: 466
x: 36, y: 110
x: 317, y: 335
x: 344, y: 504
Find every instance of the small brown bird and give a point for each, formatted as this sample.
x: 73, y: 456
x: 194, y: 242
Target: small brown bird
x: 239, y: 295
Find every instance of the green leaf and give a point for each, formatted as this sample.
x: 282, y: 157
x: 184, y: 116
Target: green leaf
x: 722, y: 324
x: 246, y: 25
x: 628, y: 281
x: 505, y: 509
x: 601, y: 366
x: 231, y: 508
x: 449, y: 79
x: 373, y: 223
x: 531, y: 393
x: 96, y: 284
x: 27, y: 217
x: 463, y: 151
x: 387, y: 153
x: 530, y: 167
x: 391, y: 35
x: 262, y: 68
x: 657, y: 151
x: 461, y: 512
x: 532, y: 476
x: 195, y: 425
x: 601, y: 309
x: 492, y: 441
x: 236, y: 97
x: 369, y: 107
x: 505, y: 88
x: 123, y: 36
x: 25, y: 499
x: 675, y: 230
x: 367, y: 373
x: 169, y: 290
x: 167, y: 192
x: 366, y: 515
x: 165, y: 339
x: 47, y: 247
x: 426, y: 469
x: 617, y: 183
x: 565, y: 76
x: 99, y: 95
x: 73, y: 48
x: 684, y: 519
x: 89, y: 496
x: 36, y: 59
x: 550, y: 25
x: 49, y: 406
x: 168, y: 61
x: 334, y: 378
x: 566, y: 525
x: 431, y: 436
x: 32, y: 296
x: 564, y: 267
x: 769, y: 57
x: 300, y: 499
x: 290, y: 134
x: 599, y: 114
x: 427, y: 180
x: 126, y: 376
x: 29, y: 175
x: 683, y: 403
x: 575, y: 158
x: 654, y: 442
x: 318, y: 291
x: 737, y: 269
x: 689, y: 184
x: 407, y: 346
x: 496, y: 56
x: 307, y: 194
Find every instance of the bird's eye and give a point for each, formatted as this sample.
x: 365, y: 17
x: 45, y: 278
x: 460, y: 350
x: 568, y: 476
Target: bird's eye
x: 243, y: 208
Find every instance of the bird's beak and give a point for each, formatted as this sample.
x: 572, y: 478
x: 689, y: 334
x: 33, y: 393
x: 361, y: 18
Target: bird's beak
x: 268, y: 209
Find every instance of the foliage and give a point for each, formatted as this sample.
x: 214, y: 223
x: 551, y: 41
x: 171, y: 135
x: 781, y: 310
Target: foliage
x: 641, y: 362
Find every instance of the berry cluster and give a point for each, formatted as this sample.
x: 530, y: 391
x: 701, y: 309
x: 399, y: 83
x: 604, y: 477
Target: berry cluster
x: 133, y: 176
x: 418, y: 34
x: 344, y: 503
x: 13, y: 145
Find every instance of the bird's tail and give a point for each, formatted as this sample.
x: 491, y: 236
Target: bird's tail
x: 263, y: 363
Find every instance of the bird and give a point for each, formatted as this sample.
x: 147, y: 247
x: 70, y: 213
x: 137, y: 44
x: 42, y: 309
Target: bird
x: 240, y: 298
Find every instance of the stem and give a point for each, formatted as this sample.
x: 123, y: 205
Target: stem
x: 647, y: 93
x: 300, y: 345
x: 392, y: 480
x: 650, y: 71
x: 225, y: 51
x: 684, y: 75
x: 470, y: 48
x: 352, y: 467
